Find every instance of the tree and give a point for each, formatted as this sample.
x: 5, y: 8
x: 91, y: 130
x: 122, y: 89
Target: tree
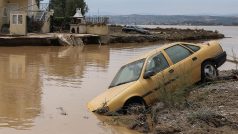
x: 67, y: 8
x: 38, y: 2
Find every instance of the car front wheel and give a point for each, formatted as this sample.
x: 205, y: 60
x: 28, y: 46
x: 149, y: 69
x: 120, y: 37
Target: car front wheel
x: 134, y: 105
x: 209, y: 71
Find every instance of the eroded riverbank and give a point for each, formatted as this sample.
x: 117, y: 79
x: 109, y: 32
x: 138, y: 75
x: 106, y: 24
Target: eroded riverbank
x: 205, y: 108
x: 117, y: 35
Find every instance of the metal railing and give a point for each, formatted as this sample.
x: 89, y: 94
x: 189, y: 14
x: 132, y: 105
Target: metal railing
x: 97, y: 20
x: 41, y: 7
x: 35, y: 11
x: 44, y: 6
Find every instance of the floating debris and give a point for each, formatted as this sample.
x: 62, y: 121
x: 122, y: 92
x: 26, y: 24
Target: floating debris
x: 62, y: 111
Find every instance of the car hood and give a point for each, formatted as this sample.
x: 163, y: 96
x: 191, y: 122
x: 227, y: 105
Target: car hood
x: 99, y: 101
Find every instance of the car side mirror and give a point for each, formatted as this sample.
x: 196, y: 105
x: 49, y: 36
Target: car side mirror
x: 149, y: 74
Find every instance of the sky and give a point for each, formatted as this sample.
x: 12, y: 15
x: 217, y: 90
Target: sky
x: 163, y: 7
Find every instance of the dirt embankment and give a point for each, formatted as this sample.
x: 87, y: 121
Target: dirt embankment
x: 161, y: 34
x: 206, y: 108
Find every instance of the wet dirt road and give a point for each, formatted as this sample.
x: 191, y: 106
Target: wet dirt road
x: 46, y: 89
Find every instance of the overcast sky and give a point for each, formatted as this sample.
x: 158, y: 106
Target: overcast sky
x: 163, y: 7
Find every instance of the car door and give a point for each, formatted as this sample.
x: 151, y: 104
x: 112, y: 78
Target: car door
x: 158, y: 64
x: 196, y: 62
x: 182, y: 66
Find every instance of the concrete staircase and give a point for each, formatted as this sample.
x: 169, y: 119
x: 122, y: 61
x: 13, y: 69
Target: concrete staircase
x: 40, y: 21
x: 41, y: 14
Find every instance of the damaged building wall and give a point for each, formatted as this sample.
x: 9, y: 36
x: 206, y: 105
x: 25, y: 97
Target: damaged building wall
x: 98, y: 29
x: 6, y: 6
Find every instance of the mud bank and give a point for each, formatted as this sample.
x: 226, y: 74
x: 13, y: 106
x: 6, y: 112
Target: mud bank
x: 50, y: 39
x: 161, y: 34
x: 206, y: 108
x: 117, y: 35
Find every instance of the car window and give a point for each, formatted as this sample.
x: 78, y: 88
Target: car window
x: 177, y: 53
x: 128, y: 73
x: 157, y: 63
x: 192, y: 47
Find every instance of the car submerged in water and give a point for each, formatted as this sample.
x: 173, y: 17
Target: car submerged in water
x: 170, y: 67
x: 136, y: 29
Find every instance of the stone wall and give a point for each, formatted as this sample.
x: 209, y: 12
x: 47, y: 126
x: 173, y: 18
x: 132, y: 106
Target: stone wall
x: 99, y: 29
x: 47, y: 23
x: 78, y: 28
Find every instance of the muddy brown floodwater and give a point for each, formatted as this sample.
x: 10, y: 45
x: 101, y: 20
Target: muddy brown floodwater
x: 45, y: 90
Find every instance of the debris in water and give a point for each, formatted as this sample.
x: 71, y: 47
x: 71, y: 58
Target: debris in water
x: 62, y: 111
x: 85, y: 117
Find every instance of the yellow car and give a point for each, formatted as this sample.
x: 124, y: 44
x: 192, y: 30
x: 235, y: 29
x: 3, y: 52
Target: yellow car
x: 169, y: 67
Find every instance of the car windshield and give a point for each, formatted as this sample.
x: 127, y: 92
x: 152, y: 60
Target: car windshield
x: 128, y: 73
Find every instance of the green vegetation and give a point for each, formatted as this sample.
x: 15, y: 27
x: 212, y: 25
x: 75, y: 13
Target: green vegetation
x: 38, y: 2
x: 67, y: 8
x: 64, y: 10
x: 61, y: 23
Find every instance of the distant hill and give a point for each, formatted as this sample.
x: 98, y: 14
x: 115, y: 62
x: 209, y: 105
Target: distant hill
x: 173, y: 20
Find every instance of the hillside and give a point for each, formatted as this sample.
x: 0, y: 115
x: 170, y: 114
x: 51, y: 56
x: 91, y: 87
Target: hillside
x: 173, y: 20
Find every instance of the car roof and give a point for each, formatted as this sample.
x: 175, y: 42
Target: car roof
x: 152, y: 52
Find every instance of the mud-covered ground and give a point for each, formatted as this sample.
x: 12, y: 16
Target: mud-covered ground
x: 206, y: 108
x: 161, y: 34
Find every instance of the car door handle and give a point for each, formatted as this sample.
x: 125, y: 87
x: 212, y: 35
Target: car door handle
x: 171, y: 71
x: 194, y: 58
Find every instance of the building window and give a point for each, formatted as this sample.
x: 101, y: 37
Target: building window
x: 17, y: 19
x: 4, y: 12
x: 14, y: 18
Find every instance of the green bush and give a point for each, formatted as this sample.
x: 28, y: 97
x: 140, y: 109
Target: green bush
x: 62, y: 23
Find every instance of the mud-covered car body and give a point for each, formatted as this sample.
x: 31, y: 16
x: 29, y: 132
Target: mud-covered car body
x: 135, y: 29
x: 167, y: 68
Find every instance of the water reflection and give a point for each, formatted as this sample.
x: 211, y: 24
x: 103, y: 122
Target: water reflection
x: 68, y: 65
x: 25, y: 70
x: 20, y: 89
